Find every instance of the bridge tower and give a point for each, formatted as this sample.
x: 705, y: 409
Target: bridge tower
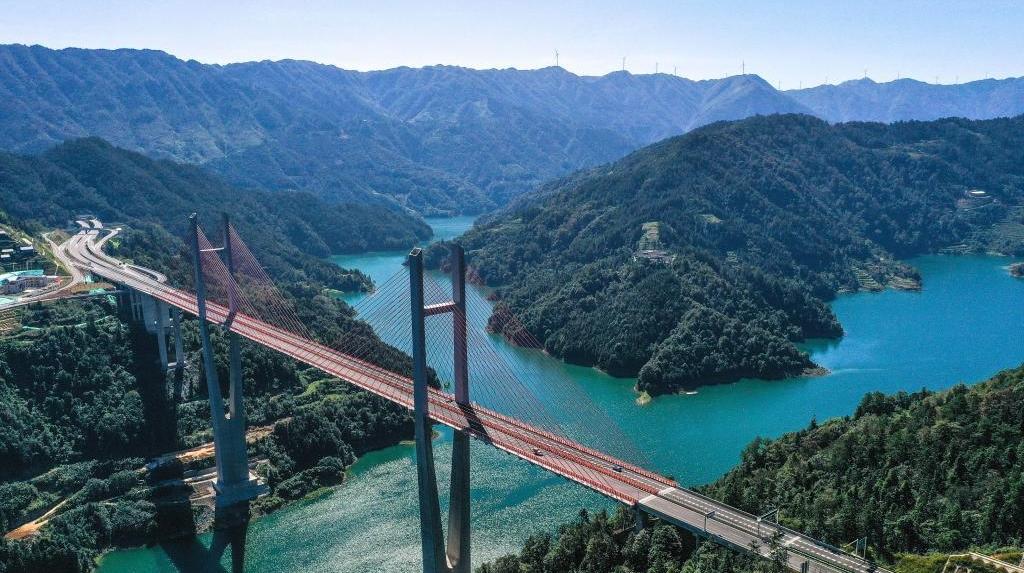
x: 234, y: 484
x: 437, y: 556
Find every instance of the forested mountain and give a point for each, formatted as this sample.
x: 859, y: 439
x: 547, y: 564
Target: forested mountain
x: 907, y: 99
x: 438, y: 139
x: 914, y: 473
x: 704, y: 257
x: 290, y: 230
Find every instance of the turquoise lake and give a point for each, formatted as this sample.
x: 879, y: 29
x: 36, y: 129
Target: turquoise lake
x: 963, y: 327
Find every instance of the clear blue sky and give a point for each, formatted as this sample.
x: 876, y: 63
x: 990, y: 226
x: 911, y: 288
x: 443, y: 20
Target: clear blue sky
x: 792, y: 42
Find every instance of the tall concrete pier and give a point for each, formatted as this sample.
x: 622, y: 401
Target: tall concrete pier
x: 438, y: 557
x: 234, y: 483
x: 458, y: 510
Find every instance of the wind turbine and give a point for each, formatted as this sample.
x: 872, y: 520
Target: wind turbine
x: 556, y: 58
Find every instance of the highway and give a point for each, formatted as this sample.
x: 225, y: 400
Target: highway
x: 609, y: 476
x: 63, y: 291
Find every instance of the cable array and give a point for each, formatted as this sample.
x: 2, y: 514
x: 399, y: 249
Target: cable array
x: 382, y: 338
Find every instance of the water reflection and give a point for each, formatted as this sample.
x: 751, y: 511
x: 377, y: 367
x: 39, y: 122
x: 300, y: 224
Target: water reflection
x: 230, y: 529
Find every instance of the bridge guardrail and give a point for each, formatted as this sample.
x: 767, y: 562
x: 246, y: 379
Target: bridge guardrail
x: 793, y: 532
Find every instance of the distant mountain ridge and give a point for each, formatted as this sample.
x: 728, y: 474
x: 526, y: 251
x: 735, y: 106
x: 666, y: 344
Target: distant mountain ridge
x: 907, y: 99
x: 439, y: 139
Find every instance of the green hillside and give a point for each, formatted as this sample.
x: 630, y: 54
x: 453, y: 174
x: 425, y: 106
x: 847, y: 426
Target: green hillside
x: 290, y: 231
x: 934, y: 473
x: 760, y: 222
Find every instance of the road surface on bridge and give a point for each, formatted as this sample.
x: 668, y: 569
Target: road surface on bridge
x: 605, y: 474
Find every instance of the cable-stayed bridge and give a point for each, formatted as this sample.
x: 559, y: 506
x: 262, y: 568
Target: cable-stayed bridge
x: 232, y: 290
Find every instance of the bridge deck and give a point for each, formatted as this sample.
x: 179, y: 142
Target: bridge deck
x: 614, y: 478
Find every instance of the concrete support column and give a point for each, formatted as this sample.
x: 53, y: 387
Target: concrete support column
x: 138, y: 306
x: 133, y: 298
x: 179, y: 351
x: 162, y: 313
x: 236, y: 410
x: 431, y: 535
x: 458, y: 547
x: 460, y: 358
x: 119, y: 300
x: 640, y: 518
x: 150, y: 313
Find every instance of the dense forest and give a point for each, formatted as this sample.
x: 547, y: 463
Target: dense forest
x: 706, y: 257
x: 914, y: 473
x: 609, y: 544
x: 83, y: 406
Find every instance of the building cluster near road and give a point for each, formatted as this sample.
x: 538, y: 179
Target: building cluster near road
x: 18, y: 282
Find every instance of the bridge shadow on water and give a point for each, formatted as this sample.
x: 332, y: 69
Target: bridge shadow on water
x: 231, y: 528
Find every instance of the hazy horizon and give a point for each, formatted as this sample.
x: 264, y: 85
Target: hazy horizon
x: 796, y: 44
x: 512, y: 68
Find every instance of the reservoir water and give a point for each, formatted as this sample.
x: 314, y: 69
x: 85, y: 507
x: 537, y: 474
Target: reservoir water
x: 963, y: 327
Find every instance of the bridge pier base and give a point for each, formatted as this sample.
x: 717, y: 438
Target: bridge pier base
x: 439, y: 557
